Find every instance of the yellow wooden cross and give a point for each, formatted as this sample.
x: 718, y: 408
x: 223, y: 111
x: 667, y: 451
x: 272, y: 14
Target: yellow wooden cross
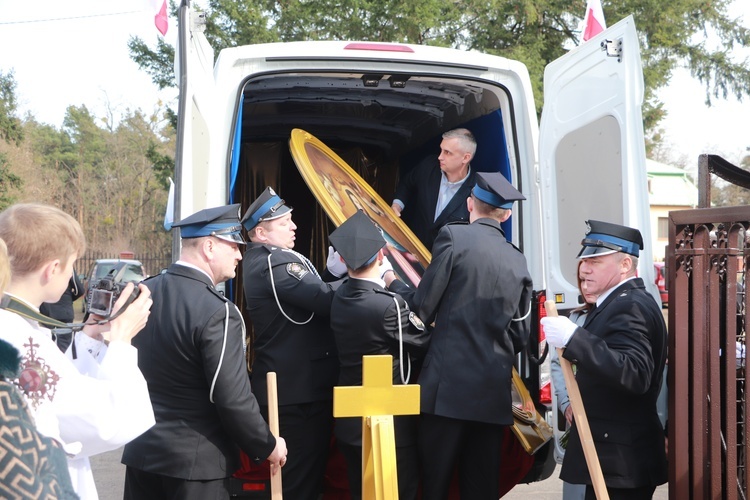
x: 376, y: 401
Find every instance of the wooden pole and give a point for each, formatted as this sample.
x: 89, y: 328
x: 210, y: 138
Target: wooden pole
x: 273, y: 423
x: 581, y: 421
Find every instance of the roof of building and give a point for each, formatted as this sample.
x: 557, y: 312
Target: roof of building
x: 669, y: 185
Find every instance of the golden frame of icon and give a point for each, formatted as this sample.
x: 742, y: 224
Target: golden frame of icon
x: 341, y: 192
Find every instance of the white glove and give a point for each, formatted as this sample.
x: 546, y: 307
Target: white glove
x: 558, y: 330
x: 334, y: 263
x: 385, y: 266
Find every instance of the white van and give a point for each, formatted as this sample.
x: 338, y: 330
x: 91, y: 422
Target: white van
x: 383, y: 106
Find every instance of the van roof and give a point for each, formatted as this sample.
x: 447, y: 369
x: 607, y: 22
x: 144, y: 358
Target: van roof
x: 311, y: 50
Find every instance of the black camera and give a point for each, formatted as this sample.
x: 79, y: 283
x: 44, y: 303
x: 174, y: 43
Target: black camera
x: 103, y: 293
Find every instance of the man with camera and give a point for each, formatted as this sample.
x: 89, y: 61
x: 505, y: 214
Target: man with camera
x: 192, y: 355
x: 92, y: 398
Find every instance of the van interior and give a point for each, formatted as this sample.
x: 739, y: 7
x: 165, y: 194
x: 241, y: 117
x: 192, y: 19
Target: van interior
x: 381, y: 125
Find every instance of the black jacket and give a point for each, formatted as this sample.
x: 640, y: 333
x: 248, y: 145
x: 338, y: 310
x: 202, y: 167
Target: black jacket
x: 419, y: 190
x: 197, y: 379
x: 477, y: 290
x: 62, y: 310
x: 292, y: 336
x: 364, y: 319
x: 620, y: 354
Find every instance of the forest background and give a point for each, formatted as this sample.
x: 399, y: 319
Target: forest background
x: 112, y: 173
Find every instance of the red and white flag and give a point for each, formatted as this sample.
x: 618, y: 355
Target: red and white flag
x: 160, y: 17
x: 593, y: 22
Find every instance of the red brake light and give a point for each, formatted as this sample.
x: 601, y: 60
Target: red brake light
x: 545, y: 394
x: 542, y: 312
x: 545, y: 391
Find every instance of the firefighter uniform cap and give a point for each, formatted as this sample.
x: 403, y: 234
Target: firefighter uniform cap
x: 267, y: 206
x: 222, y: 222
x: 603, y: 238
x: 494, y: 189
x: 357, y: 240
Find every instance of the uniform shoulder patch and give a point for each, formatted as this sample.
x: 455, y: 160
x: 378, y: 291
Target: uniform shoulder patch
x: 414, y: 320
x: 296, y: 270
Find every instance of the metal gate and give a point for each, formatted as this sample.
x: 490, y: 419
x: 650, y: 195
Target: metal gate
x: 707, y: 260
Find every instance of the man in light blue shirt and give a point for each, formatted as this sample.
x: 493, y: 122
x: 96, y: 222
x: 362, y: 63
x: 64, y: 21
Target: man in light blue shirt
x: 430, y: 197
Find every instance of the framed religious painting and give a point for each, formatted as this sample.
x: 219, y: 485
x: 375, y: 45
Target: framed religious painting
x: 341, y: 192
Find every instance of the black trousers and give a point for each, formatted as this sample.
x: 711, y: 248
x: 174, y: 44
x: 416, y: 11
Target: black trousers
x: 474, y: 447
x: 642, y: 493
x: 307, y: 429
x: 140, y: 485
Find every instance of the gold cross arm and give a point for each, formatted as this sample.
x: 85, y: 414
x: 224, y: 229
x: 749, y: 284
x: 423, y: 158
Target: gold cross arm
x: 377, y: 395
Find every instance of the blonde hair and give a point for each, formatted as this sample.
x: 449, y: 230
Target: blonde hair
x: 486, y: 210
x: 36, y: 234
x: 4, y: 267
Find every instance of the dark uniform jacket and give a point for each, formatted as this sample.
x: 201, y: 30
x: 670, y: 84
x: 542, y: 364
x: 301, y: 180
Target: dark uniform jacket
x: 303, y: 354
x: 620, y: 353
x: 419, y: 190
x: 364, y: 319
x: 197, y: 379
x: 476, y: 284
x: 62, y: 310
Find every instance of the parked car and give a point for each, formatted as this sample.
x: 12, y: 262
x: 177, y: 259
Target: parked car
x: 661, y: 282
x: 134, y: 271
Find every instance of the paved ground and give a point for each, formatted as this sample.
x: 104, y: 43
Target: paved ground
x: 109, y: 475
x: 551, y: 489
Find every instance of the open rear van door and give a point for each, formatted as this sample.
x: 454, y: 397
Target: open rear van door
x: 592, y: 152
x: 194, y: 63
x: 592, y: 157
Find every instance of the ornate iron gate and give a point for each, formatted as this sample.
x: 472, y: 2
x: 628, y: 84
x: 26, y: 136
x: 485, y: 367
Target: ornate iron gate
x: 707, y: 261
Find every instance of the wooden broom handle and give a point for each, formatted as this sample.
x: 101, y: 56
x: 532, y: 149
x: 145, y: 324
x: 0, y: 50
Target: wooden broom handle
x: 582, y: 423
x: 273, y: 424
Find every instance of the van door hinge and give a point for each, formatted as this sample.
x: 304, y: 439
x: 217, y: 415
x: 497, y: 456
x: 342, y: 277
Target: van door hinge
x: 613, y: 48
x: 198, y: 21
